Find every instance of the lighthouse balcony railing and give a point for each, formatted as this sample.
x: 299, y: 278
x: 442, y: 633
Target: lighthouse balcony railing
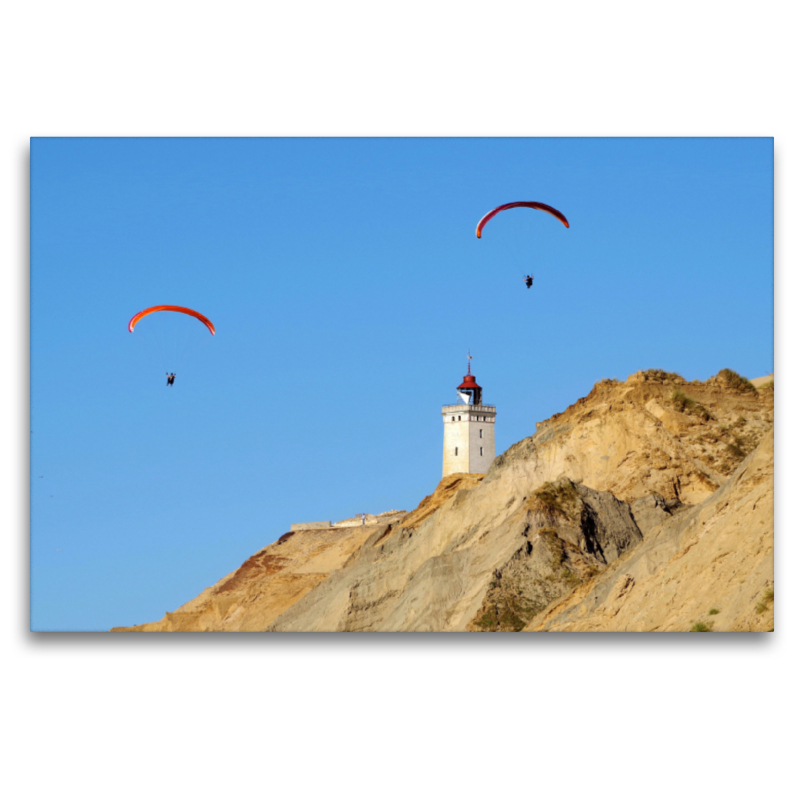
x: 455, y: 408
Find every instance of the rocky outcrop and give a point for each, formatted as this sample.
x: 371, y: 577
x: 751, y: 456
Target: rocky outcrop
x: 571, y: 532
x: 643, y: 506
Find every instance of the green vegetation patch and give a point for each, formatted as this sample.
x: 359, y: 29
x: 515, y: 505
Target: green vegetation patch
x: 714, y: 611
x: 688, y: 405
x: 662, y: 375
x: 766, y: 600
x: 733, y: 380
x: 556, y: 499
x: 508, y: 614
x: 701, y: 627
x: 736, y: 451
x: 554, y: 546
x: 569, y: 577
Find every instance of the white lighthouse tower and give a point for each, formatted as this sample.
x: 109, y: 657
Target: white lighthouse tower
x: 468, y: 430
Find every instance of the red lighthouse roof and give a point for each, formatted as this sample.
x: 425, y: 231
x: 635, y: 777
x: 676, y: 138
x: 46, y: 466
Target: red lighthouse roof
x: 469, y: 382
x: 469, y: 378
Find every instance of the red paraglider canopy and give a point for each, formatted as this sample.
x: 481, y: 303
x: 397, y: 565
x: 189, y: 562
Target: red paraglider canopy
x: 541, y: 206
x: 207, y: 322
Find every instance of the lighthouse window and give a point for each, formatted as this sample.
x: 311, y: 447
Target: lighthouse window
x: 480, y: 433
x: 459, y: 417
x: 456, y: 451
x: 481, y: 451
x: 452, y: 419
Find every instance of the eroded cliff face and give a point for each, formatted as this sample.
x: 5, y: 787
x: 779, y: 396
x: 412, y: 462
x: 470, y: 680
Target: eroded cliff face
x: 589, y: 524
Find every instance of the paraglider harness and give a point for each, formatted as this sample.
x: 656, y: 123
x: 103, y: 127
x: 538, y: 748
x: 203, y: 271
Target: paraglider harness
x: 528, y: 281
x: 170, y: 378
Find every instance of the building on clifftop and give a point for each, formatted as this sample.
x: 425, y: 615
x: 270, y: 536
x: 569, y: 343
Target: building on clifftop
x: 468, y: 430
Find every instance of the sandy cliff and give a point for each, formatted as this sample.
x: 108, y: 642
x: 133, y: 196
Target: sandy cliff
x: 643, y: 506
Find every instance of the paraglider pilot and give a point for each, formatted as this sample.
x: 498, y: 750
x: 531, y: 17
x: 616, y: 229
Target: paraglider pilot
x: 170, y: 378
x: 529, y: 281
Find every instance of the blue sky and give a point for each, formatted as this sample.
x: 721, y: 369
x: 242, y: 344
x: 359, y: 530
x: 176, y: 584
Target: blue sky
x: 346, y: 285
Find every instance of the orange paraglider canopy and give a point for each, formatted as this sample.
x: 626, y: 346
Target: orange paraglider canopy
x: 541, y: 206
x: 180, y: 309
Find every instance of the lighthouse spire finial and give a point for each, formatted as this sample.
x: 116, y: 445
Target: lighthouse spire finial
x: 469, y: 363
